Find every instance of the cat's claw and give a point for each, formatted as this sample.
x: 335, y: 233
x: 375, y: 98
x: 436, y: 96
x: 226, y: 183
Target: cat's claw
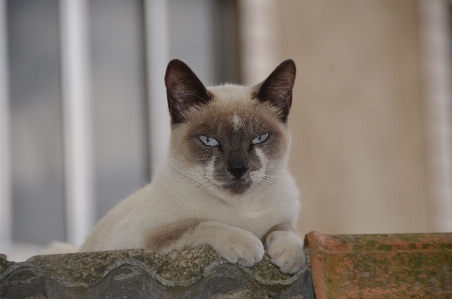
x: 242, y: 248
x: 286, y: 251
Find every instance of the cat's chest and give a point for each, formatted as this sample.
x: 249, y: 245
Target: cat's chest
x: 255, y: 212
x: 256, y: 215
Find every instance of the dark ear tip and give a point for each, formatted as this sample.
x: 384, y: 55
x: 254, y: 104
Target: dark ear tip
x: 288, y: 63
x: 176, y: 63
x: 174, y: 70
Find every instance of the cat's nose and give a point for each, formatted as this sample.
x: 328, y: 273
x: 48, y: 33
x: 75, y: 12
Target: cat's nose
x: 238, y: 171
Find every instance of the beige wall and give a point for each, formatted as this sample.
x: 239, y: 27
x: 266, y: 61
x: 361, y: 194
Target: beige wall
x: 357, y: 121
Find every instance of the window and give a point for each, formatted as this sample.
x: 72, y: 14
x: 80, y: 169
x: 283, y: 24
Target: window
x: 122, y: 73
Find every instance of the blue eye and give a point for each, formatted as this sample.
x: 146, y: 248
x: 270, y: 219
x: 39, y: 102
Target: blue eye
x: 260, y: 139
x: 208, y: 141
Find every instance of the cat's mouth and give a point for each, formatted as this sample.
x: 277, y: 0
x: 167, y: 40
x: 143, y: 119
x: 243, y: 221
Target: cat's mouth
x: 228, y: 181
x: 238, y: 186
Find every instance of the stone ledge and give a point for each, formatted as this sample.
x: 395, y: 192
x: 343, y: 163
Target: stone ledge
x: 197, y: 273
x: 338, y: 266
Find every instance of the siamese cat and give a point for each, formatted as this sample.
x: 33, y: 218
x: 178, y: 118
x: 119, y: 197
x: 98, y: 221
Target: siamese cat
x: 224, y: 182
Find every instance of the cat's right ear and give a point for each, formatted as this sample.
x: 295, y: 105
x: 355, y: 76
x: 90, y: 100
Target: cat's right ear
x: 183, y: 90
x: 277, y: 88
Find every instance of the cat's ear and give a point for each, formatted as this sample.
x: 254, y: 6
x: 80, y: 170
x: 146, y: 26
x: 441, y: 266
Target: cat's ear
x: 277, y: 88
x: 183, y: 90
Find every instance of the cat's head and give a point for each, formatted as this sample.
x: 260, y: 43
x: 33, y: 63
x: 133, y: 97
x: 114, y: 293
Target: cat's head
x: 229, y: 139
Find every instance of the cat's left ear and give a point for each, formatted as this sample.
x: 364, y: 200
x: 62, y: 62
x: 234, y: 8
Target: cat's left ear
x: 277, y: 88
x: 183, y: 89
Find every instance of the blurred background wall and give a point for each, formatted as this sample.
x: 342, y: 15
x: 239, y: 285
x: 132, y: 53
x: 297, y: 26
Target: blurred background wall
x: 370, y: 121
x: 371, y: 116
x: 359, y: 130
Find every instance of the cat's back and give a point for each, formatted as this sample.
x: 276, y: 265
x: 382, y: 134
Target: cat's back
x: 109, y: 224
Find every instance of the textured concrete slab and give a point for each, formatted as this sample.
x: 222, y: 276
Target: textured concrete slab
x: 381, y: 266
x: 338, y: 266
x: 197, y: 273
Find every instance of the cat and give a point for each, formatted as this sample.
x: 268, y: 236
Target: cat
x: 224, y: 182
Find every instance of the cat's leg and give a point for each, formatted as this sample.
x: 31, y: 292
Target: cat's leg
x: 234, y: 244
x: 285, y: 248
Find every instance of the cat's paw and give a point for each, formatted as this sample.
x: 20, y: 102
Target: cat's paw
x: 286, y: 251
x: 241, y: 247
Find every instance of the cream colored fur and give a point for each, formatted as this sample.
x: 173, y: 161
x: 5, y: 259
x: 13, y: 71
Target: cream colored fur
x: 234, y: 225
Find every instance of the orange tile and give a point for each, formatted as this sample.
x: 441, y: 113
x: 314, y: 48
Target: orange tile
x: 381, y: 266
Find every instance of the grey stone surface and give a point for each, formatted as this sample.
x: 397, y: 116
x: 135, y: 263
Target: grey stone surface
x: 196, y: 273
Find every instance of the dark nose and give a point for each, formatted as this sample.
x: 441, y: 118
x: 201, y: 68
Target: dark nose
x: 238, y: 168
x: 238, y: 172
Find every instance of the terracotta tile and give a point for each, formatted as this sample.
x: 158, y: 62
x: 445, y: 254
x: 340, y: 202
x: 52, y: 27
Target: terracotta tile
x: 381, y: 266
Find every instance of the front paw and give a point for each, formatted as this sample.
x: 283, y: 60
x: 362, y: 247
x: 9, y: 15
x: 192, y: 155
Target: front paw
x: 286, y: 251
x: 241, y: 247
